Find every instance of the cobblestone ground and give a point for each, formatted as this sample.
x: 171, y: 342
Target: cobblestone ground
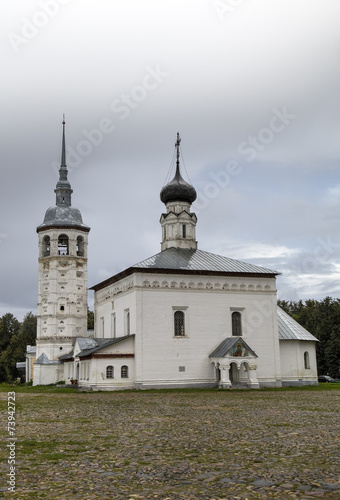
x: 207, y: 445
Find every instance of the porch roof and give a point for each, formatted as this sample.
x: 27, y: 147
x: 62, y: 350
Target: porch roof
x: 227, y: 344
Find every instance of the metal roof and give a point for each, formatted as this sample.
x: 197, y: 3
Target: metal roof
x: 289, y: 329
x: 198, y: 260
x: 228, y: 344
x: 88, y: 348
x: 62, y: 216
x: 44, y: 360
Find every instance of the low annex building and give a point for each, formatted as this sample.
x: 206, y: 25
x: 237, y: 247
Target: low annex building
x: 181, y: 318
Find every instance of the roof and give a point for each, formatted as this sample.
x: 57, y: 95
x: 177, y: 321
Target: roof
x: 65, y: 216
x: 31, y: 349
x: 289, y: 329
x: 224, y: 347
x: 190, y: 261
x: 44, y: 360
x: 89, y: 346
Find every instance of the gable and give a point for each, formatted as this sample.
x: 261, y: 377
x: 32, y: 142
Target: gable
x: 233, y: 347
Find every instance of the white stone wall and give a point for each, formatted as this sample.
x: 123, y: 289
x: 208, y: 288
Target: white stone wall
x: 115, y: 301
x: 292, y: 361
x: 208, y: 302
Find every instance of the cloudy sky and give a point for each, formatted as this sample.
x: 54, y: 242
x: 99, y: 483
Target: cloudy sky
x: 253, y: 88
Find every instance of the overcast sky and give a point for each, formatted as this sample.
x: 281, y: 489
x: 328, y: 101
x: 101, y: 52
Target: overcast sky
x: 252, y: 86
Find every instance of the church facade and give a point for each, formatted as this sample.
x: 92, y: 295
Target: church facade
x: 181, y: 318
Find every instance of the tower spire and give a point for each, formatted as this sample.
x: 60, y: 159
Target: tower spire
x: 63, y: 188
x: 63, y: 151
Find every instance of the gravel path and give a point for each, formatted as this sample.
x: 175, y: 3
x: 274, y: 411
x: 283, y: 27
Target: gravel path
x: 206, y: 445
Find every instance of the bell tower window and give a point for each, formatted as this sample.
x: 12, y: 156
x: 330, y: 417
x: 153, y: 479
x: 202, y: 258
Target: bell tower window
x: 80, y: 246
x: 46, y: 245
x: 63, y: 246
x: 184, y: 231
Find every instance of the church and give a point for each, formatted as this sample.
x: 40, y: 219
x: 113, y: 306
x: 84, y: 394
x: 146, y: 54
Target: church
x: 179, y: 319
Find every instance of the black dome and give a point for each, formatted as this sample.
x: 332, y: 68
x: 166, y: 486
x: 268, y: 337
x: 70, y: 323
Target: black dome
x: 178, y: 190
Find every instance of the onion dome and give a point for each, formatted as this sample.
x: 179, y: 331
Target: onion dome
x: 178, y: 189
x: 62, y: 214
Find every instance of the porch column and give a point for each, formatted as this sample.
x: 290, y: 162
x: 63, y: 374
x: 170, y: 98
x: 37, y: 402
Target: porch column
x: 252, y: 382
x: 225, y: 382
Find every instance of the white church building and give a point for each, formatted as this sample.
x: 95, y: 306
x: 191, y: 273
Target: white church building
x: 181, y: 318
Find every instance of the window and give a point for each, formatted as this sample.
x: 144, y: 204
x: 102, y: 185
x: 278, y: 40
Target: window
x: 127, y: 322
x: 236, y: 326
x: 113, y: 325
x: 179, y: 324
x: 46, y: 245
x: 62, y: 308
x: 80, y: 246
x: 63, y: 245
x: 184, y: 231
x: 306, y: 360
x: 124, y: 371
x: 109, y: 372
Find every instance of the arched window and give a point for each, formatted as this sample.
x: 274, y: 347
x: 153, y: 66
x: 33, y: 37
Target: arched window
x: 306, y: 360
x: 236, y: 325
x: 80, y: 246
x: 124, y: 371
x: 127, y: 322
x: 46, y: 243
x: 109, y: 372
x: 179, y: 324
x: 63, y: 248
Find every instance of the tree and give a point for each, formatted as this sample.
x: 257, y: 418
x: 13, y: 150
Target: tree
x: 9, y: 326
x: 90, y: 319
x: 16, y: 348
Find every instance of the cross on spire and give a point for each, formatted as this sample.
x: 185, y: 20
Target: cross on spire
x: 178, y: 142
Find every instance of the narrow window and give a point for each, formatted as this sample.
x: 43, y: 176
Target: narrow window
x: 124, y: 372
x: 80, y: 246
x: 184, y: 231
x: 127, y: 322
x: 109, y: 371
x: 63, y: 248
x: 164, y: 232
x: 236, y: 326
x: 113, y: 325
x: 306, y: 360
x: 46, y: 246
x: 179, y: 327
x: 62, y: 308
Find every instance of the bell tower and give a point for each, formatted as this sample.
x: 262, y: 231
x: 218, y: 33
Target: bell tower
x: 178, y: 223
x: 62, y: 280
